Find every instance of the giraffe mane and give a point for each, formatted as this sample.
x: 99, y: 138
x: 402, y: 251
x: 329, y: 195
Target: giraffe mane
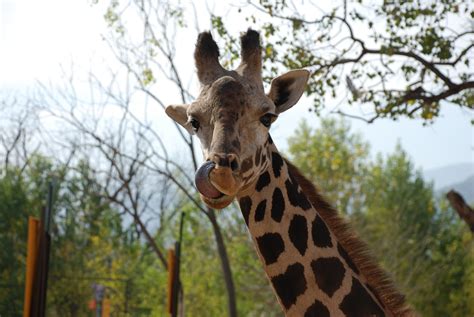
x: 379, y: 281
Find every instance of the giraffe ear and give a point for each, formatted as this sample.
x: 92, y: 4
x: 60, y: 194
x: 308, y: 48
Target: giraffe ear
x: 178, y: 113
x: 286, y: 90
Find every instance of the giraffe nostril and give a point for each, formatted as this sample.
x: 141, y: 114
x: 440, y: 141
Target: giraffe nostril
x: 234, y: 165
x: 233, y: 162
x: 226, y: 160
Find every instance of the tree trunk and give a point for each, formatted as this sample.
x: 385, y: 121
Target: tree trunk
x: 464, y: 211
x: 221, y: 249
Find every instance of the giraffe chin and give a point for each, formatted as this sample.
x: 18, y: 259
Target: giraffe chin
x: 217, y: 203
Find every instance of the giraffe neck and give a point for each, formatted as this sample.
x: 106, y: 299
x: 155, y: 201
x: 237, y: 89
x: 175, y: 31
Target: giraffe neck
x: 311, y: 273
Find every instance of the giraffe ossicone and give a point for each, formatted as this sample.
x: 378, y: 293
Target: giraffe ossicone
x: 314, y: 262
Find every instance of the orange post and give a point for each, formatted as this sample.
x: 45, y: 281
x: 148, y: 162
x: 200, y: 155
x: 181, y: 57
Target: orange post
x: 31, y: 257
x: 171, y: 282
x: 106, y: 307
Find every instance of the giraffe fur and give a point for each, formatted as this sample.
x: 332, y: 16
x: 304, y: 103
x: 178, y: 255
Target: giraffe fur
x: 314, y: 261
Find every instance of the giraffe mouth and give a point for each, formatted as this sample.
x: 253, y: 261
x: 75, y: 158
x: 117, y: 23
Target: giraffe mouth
x: 203, y: 183
x: 208, y: 179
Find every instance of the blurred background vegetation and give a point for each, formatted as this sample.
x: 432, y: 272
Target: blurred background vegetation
x: 413, y: 232
x: 121, y: 183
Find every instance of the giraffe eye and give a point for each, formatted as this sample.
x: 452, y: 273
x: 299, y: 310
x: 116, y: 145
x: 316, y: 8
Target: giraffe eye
x: 195, y: 124
x: 267, y: 119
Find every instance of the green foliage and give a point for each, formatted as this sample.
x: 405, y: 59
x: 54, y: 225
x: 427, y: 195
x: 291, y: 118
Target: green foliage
x: 400, y: 59
x: 22, y: 194
x: 89, y: 246
x: 14, y: 208
x: 415, y: 235
x: 334, y: 158
x: 88, y: 241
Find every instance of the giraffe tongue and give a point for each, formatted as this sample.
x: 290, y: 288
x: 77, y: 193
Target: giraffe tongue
x: 203, y: 184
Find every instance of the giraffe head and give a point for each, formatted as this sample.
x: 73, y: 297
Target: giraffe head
x: 232, y: 116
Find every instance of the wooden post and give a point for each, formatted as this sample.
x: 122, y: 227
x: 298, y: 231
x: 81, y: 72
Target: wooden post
x: 175, y: 290
x: 31, y: 259
x: 106, y: 307
x: 171, y: 281
x: 40, y: 281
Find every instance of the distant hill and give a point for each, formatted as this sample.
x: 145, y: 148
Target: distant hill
x: 459, y: 177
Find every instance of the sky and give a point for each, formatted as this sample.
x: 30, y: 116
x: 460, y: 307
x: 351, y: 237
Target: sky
x: 37, y: 38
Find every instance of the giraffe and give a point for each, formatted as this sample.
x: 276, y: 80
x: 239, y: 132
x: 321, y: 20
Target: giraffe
x: 315, y: 263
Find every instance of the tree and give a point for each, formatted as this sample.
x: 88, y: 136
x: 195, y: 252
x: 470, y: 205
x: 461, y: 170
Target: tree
x: 415, y: 236
x: 132, y: 153
x: 14, y: 210
x: 89, y: 241
x: 18, y: 122
x: 334, y: 158
x: 401, y: 59
x: 90, y: 244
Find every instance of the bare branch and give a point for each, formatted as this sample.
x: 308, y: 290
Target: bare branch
x: 371, y: 120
